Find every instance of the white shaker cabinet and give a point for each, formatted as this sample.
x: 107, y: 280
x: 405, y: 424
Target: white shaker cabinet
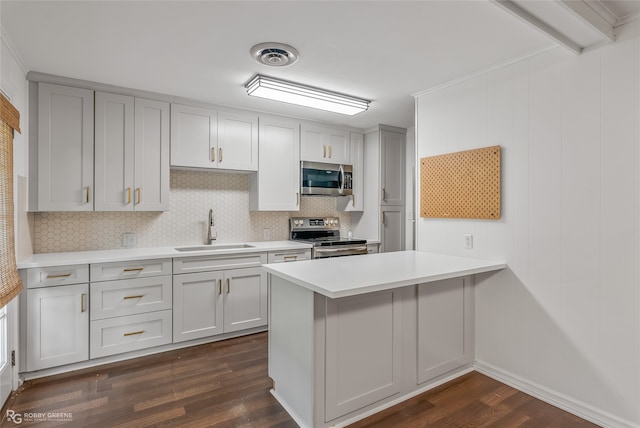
x: 194, y: 137
x: 63, y: 158
x: 392, y: 171
x: 392, y: 228
x: 245, y: 300
x: 318, y: 144
x: 197, y: 305
x: 131, y: 154
x: 276, y: 185
x: 57, y: 326
x: 205, y: 138
x: 355, y: 202
x: 237, y: 141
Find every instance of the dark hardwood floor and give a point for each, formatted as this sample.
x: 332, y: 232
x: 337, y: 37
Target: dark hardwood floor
x: 225, y: 384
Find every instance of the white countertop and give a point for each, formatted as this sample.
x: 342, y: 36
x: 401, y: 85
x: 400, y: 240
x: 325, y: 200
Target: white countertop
x: 350, y: 276
x: 124, y: 254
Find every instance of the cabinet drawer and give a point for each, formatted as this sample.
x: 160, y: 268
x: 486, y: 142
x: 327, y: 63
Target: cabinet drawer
x: 57, y: 275
x: 129, y: 333
x: 289, y: 255
x: 130, y: 296
x: 130, y: 269
x: 208, y: 263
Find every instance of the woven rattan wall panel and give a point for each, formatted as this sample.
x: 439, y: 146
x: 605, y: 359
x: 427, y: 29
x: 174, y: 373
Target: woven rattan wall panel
x: 461, y: 185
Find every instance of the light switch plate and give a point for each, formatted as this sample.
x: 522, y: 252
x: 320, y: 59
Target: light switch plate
x: 468, y: 241
x: 129, y: 239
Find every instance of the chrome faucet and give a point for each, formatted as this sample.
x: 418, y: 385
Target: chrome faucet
x: 210, y: 236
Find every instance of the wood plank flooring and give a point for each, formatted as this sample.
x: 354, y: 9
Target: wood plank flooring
x: 225, y: 384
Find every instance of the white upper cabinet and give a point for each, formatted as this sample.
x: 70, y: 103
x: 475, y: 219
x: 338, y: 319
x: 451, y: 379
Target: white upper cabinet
x: 327, y: 145
x: 392, y: 159
x: 152, y: 173
x: 64, y: 149
x: 237, y: 141
x: 276, y: 186
x: 131, y: 154
x: 355, y: 202
x: 204, y: 138
x: 194, y: 137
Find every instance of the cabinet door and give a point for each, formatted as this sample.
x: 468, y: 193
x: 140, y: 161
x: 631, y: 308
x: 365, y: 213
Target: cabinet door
x: 65, y: 148
x: 197, y: 305
x: 276, y: 186
x: 151, y: 174
x: 237, y: 141
x: 245, y: 299
x: 324, y: 145
x: 337, y: 142
x: 355, y: 202
x: 444, y: 335
x: 114, y: 151
x: 194, y: 133
x: 392, y: 148
x: 362, y: 369
x: 391, y: 228
x: 58, y: 326
x: 313, y: 146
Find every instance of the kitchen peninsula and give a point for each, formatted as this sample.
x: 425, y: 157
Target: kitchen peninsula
x: 351, y: 336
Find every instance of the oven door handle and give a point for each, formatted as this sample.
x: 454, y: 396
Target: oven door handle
x: 357, y: 250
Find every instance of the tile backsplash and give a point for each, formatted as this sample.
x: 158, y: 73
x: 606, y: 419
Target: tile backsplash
x: 192, y: 194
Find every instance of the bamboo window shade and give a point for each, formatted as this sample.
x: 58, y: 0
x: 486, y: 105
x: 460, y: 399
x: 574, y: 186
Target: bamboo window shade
x: 10, y: 283
x: 461, y: 185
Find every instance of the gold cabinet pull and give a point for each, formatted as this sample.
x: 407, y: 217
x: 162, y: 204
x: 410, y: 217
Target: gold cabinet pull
x: 287, y: 258
x: 383, y: 219
x: 219, y: 287
x: 139, y: 195
x: 128, y: 195
x: 133, y: 333
x: 384, y: 194
x: 324, y: 151
x: 133, y: 269
x: 62, y: 275
x: 329, y: 151
x: 86, y: 195
x: 139, y: 296
x: 213, y: 154
x: 83, y: 305
x: 228, y: 285
x: 220, y: 154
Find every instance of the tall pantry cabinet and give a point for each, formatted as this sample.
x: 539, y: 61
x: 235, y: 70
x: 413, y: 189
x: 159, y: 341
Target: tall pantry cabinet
x: 383, y: 217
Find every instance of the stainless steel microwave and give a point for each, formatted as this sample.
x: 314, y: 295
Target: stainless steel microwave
x: 325, y: 179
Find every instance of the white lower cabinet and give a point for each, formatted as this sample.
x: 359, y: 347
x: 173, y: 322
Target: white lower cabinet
x: 57, y: 325
x: 362, y: 368
x: 224, y: 301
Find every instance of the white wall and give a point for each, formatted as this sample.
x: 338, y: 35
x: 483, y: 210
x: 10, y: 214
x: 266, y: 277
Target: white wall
x: 563, y: 321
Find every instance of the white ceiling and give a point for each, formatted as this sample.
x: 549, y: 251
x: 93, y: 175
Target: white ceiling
x: 381, y: 50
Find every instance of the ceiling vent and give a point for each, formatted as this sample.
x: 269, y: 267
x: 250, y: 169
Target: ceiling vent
x: 274, y: 54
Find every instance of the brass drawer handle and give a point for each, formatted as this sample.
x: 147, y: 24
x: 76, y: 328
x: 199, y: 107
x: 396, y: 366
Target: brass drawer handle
x: 220, y: 155
x: 128, y: 195
x: 139, y: 296
x: 138, y: 269
x: 139, y: 198
x: 213, y: 154
x: 63, y: 275
x: 133, y: 333
x: 83, y: 305
x: 86, y: 200
x: 219, y: 287
x: 228, y: 285
x: 324, y: 151
x: 290, y: 258
x: 329, y: 151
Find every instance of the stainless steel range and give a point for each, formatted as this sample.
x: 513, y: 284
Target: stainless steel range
x: 324, y: 234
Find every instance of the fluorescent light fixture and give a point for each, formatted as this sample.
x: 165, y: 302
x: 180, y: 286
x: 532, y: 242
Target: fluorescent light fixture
x: 294, y: 93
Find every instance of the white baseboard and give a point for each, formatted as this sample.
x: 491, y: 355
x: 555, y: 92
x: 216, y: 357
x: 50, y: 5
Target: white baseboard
x: 564, y: 402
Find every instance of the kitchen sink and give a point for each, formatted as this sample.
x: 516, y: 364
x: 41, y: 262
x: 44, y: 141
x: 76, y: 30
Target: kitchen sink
x: 214, y: 247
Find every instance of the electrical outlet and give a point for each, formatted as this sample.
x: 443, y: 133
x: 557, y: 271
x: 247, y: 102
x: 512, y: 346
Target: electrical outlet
x: 468, y: 241
x: 129, y: 239
x: 266, y: 234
